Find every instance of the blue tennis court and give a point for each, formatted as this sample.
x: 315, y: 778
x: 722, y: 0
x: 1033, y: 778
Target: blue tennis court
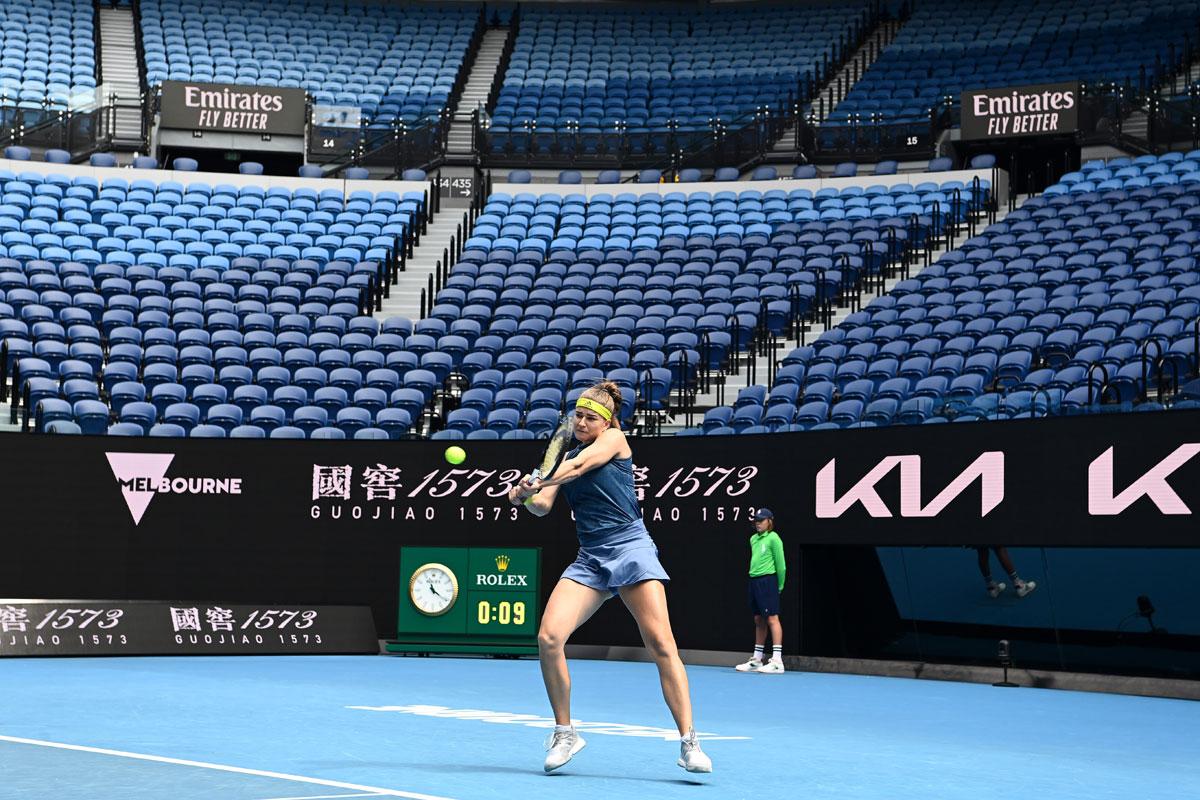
x: 331, y: 727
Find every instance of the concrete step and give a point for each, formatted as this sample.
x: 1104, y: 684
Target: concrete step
x: 405, y: 297
x: 863, y: 54
x: 483, y: 71
x: 787, y: 142
x: 120, y: 69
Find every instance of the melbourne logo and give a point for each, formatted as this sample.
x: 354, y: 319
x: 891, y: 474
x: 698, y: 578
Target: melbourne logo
x: 143, y: 475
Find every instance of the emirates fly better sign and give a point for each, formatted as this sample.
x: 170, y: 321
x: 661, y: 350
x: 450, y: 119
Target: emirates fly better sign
x: 1046, y: 109
x: 236, y: 109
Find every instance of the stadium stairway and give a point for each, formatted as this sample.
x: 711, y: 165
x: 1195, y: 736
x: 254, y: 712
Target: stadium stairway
x: 838, y: 87
x: 798, y: 194
x: 119, y: 70
x: 405, y: 300
x: 747, y: 369
x: 1136, y: 126
x: 475, y: 92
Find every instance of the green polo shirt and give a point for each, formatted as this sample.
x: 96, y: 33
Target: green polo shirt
x: 766, y: 556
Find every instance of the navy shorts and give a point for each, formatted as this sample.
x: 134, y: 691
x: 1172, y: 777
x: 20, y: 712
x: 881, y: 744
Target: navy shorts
x: 764, y: 595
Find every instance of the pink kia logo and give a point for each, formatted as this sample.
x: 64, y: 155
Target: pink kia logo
x: 1104, y: 500
x: 143, y: 475
x: 988, y: 469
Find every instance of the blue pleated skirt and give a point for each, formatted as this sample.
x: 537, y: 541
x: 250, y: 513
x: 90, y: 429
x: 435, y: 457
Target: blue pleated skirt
x: 620, y: 559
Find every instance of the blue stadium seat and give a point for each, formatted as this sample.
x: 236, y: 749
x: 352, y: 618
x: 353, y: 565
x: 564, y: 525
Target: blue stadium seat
x: 207, y: 432
x: 164, y: 430
x: 127, y: 429
x: 247, y: 432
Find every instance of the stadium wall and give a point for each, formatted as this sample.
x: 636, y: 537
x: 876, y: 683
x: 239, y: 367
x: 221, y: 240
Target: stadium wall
x: 323, y: 522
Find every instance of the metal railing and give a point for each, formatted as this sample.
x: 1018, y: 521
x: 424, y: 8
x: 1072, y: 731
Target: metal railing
x: 720, y: 143
x: 872, y: 136
x: 399, y: 145
x: 80, y: 132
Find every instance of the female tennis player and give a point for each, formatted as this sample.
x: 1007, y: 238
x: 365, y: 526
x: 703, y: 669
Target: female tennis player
x: 616, y: 556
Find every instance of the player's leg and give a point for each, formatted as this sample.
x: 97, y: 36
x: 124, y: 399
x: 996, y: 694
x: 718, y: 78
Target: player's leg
x: 570, y: 605
x: 647, y: 601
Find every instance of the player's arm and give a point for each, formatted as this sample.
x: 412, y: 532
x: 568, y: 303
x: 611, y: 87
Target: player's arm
x: 539, y: 503
x: 607, y: 445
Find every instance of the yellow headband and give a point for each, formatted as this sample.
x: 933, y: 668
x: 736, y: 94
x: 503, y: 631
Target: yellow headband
x: 592, y: 405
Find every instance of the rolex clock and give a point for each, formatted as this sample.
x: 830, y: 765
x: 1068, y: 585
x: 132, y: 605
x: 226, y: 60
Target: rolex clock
x: 468, y: 600
x: 433, y: 589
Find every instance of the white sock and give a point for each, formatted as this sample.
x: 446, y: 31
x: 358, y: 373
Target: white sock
x: 777, y: 652
x: 563, y: 728
x: 758, y: 652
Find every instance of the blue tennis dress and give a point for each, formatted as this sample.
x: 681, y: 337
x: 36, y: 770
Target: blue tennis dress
x: 615, y: 549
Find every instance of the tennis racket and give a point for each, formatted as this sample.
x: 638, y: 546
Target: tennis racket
x: 561, y: 440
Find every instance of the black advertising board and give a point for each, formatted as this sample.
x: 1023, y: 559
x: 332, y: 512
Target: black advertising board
x: 126, y: 628
x: 187, y: 105
x: 1044, y: 109
x: 323, y: 522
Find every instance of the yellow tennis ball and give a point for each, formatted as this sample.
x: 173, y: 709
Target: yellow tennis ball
x: 456, y: 455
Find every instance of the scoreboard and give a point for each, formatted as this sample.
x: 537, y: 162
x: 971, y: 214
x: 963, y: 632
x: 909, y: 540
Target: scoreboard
x: 468, y: 600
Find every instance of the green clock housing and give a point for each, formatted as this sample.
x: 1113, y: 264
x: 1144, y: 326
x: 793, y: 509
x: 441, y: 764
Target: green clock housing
x: 468, y: 600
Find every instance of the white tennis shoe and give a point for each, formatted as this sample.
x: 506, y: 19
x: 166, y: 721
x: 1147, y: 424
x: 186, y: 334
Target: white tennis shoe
x: 691, y: 757
x: 749, y: 666
x: 772, y: 667
x: 1025, y: 587
x: 996, y: 589
x: 561, y: 746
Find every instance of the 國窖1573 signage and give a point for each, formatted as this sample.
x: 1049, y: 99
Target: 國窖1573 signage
x: 1044, y: 109
x: 132, y: 627
x: 187, y: 105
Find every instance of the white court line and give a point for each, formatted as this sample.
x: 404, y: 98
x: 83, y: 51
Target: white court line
x: 324, y: 796
x: 370, y: 790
